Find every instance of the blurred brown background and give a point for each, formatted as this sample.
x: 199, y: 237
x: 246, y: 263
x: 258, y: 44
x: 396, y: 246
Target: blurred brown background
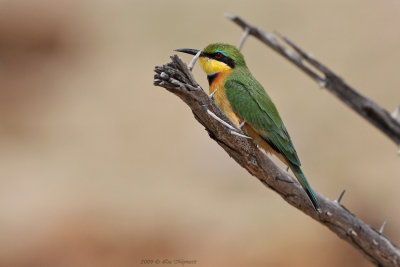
x: 100, y: 168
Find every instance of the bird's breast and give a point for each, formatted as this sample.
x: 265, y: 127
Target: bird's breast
x: 220, y: 98
x: 217, y: 83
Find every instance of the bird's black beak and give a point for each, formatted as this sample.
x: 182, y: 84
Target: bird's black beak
x: 188, y: 51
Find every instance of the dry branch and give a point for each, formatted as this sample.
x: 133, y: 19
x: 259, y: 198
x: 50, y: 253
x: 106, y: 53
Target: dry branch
x: 176, y: 78
x: 326, y: 78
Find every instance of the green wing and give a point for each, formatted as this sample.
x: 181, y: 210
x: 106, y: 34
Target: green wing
x: 250, y: 101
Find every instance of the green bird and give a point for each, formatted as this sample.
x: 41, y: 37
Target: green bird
x: 243, y: 99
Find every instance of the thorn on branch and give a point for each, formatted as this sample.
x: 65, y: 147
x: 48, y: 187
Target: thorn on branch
x: 232, y: 130
x: 340, y: 197
x: 244, y: 37
x: 396, y: 112
x: 352, y: 232
x: 194, y: 60
x: 211, y: 96
x: 322, y: 83
x: 240, y: 135
x: 382, y: 227
x: 212, y: 114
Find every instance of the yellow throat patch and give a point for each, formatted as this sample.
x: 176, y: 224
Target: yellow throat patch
x: 211, y: 66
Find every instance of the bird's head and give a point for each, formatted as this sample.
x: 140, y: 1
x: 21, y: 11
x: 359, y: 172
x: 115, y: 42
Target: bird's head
x: 218, y: 57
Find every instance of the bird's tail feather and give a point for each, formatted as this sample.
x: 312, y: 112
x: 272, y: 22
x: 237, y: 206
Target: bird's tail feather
x: 306, y: 186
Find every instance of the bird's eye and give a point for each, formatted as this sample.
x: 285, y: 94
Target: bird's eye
x: 218, y: 55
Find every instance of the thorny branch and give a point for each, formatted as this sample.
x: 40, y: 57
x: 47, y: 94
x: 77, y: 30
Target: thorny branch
x: 367, y: 108
x: 177, y: 78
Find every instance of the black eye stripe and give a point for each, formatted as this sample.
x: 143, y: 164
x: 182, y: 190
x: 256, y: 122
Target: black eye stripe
x: 220, y: 57
x: 228, y: 61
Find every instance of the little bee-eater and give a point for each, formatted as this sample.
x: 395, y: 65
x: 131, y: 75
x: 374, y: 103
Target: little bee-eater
x: 243, y: 99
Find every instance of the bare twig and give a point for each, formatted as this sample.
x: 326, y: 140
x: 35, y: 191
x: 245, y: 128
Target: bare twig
x: 176, y: 78
x: 327, y: 79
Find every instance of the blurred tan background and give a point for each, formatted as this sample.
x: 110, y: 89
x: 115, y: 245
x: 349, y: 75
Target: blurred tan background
x: 100, y: 168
